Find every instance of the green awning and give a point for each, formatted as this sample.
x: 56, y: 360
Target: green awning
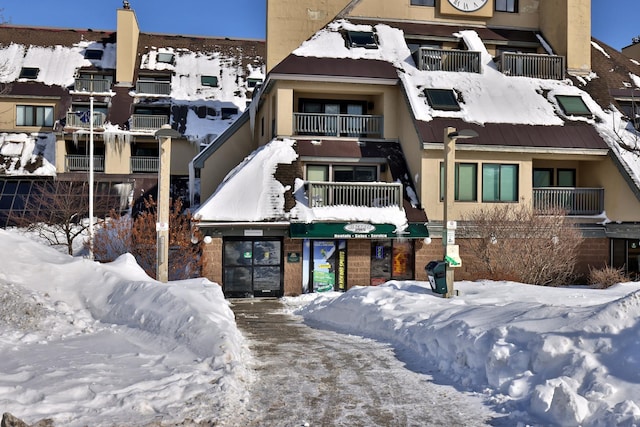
x: 356, y: 230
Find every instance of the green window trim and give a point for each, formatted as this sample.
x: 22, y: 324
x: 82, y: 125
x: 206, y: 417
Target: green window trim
x: 466, y: 185
x: 499, y: 183
x: 573, y: 105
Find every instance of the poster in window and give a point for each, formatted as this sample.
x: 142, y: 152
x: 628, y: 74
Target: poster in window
x: 324, y: 268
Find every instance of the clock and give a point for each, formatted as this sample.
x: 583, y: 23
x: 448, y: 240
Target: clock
x: 468, y: 5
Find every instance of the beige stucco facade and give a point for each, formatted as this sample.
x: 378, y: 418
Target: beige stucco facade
x: 127, y: 48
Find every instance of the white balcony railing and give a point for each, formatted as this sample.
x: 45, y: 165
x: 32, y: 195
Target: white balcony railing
x: 147, y: 122
x: 80, y: 119
x: 92, y: 85
x: 448, y: 60
x: 75, y: 162
x: 575, y: 201
x: 144, y: 164
x: 361, y: 194
x: 338, y: 125
x: 153, y: 87
x: 532, y: 65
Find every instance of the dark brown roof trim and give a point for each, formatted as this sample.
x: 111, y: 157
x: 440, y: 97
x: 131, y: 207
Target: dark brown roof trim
x: 337, y: 67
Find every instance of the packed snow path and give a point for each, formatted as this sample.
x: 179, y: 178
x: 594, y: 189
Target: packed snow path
x: 312, y: 377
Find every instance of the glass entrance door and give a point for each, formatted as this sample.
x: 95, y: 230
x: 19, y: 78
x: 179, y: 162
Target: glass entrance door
x: 252, y: 268
x: 328, y: 265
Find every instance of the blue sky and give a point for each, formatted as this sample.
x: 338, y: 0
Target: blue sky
x: 614, y: 22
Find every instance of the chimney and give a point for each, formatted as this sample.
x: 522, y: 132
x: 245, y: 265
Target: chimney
x: 127, y: 36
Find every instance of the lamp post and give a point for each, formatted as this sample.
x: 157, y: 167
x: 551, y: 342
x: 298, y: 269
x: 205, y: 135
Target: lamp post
x: 91, y: 178
x: 164, y: 136
x: 448, y: 239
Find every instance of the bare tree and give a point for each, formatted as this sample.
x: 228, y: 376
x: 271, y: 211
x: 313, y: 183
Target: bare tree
x: 57, y: 211
x: 515, y: 242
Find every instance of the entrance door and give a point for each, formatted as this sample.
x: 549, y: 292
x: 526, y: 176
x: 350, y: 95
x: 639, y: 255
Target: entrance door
x: 328, y: 265
x: 252, y: 268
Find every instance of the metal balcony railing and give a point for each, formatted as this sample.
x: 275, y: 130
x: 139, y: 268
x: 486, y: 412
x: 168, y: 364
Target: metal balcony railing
x: 92, y: 85
x: 338, y: 125
x: 448, y: 60
x: 147, y: 122
x: 575, y: 201
x: 80, y: 119
x: 361, y: 194
x: 153, y: 88
x: 532, y: 65
x: 144, y: 164
x: 75, y: 162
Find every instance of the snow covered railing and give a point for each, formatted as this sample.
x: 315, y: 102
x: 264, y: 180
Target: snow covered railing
x: 80, y: 119
x: 144, y: 164
x: 153, y: 87
x: 361, y: 194
x: 354, y: 125
x: 92, y: 85
x: 576, y: 201
x: 448, y: 60
x: 75, y: 162
x: 148, y: 122
x: 532, y: 65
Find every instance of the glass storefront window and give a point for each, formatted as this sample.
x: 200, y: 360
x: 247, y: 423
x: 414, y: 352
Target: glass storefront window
x: 391, y: 260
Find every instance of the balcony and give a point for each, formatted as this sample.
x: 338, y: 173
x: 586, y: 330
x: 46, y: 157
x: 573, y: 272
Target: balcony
x: 153, y: 87
x: 448, y: 60
x: 78, y: 163
x: 147, y: 122
x: 80, y: 119
x: 575, y: 201
x: 338, y: 125
x: 144, y: 164
x: 92, y: 85
x: 360, y: 194
x: 532, y: 65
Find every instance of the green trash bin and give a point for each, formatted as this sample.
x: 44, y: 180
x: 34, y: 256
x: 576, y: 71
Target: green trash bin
x: 437, y: 274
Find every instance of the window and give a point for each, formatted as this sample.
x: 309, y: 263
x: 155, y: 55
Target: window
x: 30, y: 115
x: 442, y: 99
x: 211, y: 81
x: 95, y: 54
x: 165, y: 57
x: 542, y: 178
x: 573, y: 105
x: 391, y: 260
x: 364, y: 39
x: 228, y: 112
x: 566, y: 177
x: 344, y: 173
x: 29, y: 73
x: 423, y: 2
x: 466, y: 186
x: 499, y: 183
x: 507, y: 6
x: 251, y: 82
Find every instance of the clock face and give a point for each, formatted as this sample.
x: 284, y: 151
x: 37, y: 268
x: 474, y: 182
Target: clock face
x: 468, y: 5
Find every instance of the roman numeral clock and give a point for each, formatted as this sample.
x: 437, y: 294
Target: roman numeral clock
x: 471, y: 8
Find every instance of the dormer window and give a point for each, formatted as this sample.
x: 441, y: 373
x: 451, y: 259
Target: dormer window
x: 573, y: 105
x: 165, y: 58
x: 210, y: 81
x: 507, y: 6
x: 442, y: 99
x: 251, y: 82
x: 95, y: 54
x: 364, y: 39
x: 29, y: 73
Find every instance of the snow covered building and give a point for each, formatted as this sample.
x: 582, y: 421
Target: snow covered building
x: 333, y: 176
x: 137, y: 82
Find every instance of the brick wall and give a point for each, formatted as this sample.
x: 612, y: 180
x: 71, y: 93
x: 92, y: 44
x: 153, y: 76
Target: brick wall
x: 292, y: 270
x: 358, y: 263
x: 592, y: 253
x: 212, y: 260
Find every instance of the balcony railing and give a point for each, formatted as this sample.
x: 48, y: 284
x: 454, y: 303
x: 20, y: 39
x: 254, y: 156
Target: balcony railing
x: 75, y: 162
x: 147, y: 122
x: 532, y: 65
x: 338, y: 125
x: 448, y: 60
x: 361, y: 194
x: 576, y: 201
x: 80, y: 119
x: 92, y: 85
x: 153, y: 88
x: 144, y: 164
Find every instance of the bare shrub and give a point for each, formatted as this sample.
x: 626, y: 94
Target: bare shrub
x: 122, y: 234
x: 602, y: 278
x: 514, y: 242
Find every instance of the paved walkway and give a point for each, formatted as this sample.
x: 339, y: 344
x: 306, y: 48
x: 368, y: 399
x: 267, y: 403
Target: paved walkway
x: 311, y: 377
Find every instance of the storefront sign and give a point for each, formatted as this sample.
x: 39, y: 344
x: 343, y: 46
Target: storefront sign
x: 356, y: 231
